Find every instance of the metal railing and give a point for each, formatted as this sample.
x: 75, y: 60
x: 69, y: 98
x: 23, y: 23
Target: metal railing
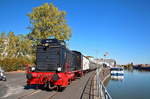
x: 101, y: 90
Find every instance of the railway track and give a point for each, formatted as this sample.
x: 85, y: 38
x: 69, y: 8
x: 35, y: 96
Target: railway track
x: 35, y: 92
x: 28, y: 94
x: 86, y: 93
x: 53, y: 95
x: 20, y: 93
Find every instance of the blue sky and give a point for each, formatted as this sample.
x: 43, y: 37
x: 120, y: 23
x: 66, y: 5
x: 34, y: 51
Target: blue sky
x: 119, y: 27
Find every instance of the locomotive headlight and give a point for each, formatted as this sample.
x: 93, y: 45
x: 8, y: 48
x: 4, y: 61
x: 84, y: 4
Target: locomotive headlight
x: 32, y: 68
x: 46, y: 44
x: 59, y: 69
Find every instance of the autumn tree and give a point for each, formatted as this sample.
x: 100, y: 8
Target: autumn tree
x: 24, y: 48
x: 48, y: 21
x: 3, y: 38
x: 12, y: 45
x: 15, y: 51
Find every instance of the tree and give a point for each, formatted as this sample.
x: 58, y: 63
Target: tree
x: 24, y: 47
x: 12, y: 45
x: 15, y: 51
x: 3, y: 38
x: 48, y: 21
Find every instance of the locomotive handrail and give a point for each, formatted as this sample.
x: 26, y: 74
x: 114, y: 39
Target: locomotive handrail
x: 101, y: 90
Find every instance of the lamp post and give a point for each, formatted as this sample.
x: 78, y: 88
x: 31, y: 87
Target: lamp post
x: 105, y: 55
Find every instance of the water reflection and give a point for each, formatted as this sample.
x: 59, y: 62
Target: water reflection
x: 117, y: 78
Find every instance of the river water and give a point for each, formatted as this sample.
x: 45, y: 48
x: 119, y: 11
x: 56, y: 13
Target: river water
x: 135, y: 85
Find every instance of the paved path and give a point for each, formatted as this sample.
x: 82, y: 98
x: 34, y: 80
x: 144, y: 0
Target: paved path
x: 14, y: 88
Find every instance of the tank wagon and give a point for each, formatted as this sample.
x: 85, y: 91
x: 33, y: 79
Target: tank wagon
x: 56, y: 65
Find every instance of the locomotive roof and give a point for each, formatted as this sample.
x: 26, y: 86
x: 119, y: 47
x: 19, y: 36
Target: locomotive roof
x: 52, y: 42
x: 76, y: 52
x: 43, y: 41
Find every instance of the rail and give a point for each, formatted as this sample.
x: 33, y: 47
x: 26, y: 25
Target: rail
x: 90, y: 79
x: 101, y: 90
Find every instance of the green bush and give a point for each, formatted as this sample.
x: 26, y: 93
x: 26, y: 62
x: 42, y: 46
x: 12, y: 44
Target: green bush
x: 13, y: 64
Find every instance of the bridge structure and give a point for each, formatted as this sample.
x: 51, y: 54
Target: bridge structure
x: 90, y: 86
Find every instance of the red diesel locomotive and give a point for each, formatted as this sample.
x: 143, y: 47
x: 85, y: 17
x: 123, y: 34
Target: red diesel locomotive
x: 55, y: 66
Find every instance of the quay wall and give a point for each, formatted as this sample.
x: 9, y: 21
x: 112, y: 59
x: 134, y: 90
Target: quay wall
x: 104, y: 74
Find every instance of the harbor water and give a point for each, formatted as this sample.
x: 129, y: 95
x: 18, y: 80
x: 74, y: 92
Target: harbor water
x: 133, y: 85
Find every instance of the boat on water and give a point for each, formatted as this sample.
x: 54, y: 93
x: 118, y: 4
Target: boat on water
x: 117, y: 71
x: 117, y: 77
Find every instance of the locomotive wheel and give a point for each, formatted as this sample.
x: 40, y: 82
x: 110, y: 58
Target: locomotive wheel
x: 49, y: 86
x: 46, y: 86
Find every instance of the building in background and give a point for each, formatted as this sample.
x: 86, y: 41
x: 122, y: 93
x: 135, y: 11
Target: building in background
x: 107, y: 62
